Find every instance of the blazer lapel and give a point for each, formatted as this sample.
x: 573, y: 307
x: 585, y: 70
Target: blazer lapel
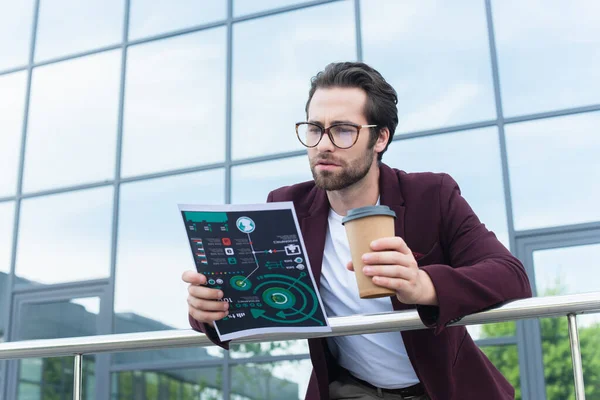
x: 391, y: 196
x: 314, y: 230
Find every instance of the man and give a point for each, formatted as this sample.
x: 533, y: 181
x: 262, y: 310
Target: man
x: 442, y: 260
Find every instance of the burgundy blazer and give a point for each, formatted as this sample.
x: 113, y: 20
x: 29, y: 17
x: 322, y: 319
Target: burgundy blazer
x: 470, y: 269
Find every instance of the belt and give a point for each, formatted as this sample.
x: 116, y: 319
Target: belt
x: 407, y: 392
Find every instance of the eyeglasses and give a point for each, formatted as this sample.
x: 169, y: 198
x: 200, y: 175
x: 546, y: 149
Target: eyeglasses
x: 342, y: 135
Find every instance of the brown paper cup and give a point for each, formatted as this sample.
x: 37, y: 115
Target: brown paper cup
x: 363, y: 225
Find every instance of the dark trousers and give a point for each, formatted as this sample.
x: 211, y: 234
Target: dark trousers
x: 346, y: 387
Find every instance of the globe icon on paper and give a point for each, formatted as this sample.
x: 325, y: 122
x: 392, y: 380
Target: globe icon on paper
x: 245, y: 224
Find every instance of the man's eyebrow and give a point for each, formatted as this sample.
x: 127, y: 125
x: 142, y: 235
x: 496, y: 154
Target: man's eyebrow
x: 332, y: 122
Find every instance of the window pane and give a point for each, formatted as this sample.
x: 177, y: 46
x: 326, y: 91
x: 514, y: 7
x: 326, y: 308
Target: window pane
x: 132, y: 322
x: 153, y: 252
x: 16, y: 20
x: 31, y: 369
x: 545, y: 152
x: 64, y: 26
x: 271, y: 76
x: 472, y: 158
x: 252, y: 183
x: 241, y: 7
x: 68, y: 234
x: 174, y: 384
x: 12, y: 103
x: 548, y: 56
x: 567, y: 271
x: 6, y: 234
x: 56, y: 319
x: 72, y: 131
x: 498, y: 329
x: 29, y: 391
x: 281, y: 348
x: 54, y: 379
x: 506, y: 359
x: 175, y: 103
x: 436, y: 55
x: 272, y: 381
x: 151, y: 18
x: 556, y: 351
x: 7, y: 212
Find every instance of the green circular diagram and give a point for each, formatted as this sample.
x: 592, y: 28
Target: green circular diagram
x: 280, y: 298
x: 240, y: 282
x: 291, y: 300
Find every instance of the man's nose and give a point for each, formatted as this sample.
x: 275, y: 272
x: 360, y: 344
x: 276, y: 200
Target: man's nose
x: 325, y: 144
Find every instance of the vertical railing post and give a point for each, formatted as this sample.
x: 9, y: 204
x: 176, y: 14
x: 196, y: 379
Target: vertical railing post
x: 576, y: 357
x: 77, y: 376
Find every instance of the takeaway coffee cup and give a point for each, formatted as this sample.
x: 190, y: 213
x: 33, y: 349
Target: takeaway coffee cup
x: 363, y: 225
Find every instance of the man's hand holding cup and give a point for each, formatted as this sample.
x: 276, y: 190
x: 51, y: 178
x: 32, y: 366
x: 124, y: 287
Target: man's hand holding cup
x: 391, y: 265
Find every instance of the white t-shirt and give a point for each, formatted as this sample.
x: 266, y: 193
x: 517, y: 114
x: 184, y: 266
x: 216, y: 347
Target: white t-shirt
x: 378, y: 358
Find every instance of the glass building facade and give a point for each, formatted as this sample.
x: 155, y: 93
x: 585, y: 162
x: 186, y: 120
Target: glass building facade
x: 114, y: 111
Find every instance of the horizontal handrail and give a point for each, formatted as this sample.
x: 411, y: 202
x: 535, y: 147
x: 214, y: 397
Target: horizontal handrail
x: 537, y: 307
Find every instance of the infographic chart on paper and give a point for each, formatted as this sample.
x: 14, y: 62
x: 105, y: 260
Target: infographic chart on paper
x: 255, y: 254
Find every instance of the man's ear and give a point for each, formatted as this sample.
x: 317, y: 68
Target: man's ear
x: 382, y: 140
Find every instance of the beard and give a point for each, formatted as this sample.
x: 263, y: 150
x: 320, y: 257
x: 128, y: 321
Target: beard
x: 347, y: 174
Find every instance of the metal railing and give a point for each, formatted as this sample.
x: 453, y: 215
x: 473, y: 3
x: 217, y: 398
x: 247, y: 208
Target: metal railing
x: 537, y: 307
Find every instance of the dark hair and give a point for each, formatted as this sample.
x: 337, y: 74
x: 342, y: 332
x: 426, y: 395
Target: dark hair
x: 380, y: 110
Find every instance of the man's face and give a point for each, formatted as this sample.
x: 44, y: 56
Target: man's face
x: 333, y: 168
